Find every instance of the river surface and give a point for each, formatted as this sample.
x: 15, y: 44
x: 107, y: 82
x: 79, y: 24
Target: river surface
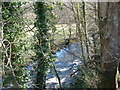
x: 68, y: 60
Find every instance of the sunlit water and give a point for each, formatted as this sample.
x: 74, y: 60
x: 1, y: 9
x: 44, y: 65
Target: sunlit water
x: 68, y: 60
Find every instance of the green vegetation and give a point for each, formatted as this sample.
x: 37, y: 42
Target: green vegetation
x: 40, y: 44
x: 14, y: 45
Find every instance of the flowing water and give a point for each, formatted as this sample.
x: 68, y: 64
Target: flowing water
x: 68, y: 60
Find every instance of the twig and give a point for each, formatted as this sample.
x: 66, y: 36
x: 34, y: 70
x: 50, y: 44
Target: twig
x: 57, y: 75
x: 12, y: 70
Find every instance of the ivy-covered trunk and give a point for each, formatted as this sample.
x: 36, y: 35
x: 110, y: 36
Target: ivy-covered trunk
x: 109, y: 38
x: 7, y: 9
x: 41, y: 47
x: 13, y: 45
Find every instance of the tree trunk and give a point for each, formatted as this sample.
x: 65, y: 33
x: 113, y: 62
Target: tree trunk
x: 1, y: 37
x: 42, y: 46
x: 109, y: 27
x: 119, y: 43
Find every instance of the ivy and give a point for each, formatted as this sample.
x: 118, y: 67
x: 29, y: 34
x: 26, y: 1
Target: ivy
x: 14, y: 45
x: 44, y: 23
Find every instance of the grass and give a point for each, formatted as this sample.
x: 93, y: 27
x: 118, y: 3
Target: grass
x: 63, y: 32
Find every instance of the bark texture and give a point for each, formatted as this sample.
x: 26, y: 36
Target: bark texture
x: 1, y: 37
x: 109, y: 38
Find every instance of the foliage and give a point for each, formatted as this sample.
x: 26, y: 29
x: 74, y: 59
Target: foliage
x: 15, y: 45
x: 43, y: 55
x: 86, y: 79
x: 49, y: 34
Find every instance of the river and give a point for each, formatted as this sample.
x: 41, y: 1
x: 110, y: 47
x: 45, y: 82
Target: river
x: 68, y: 60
